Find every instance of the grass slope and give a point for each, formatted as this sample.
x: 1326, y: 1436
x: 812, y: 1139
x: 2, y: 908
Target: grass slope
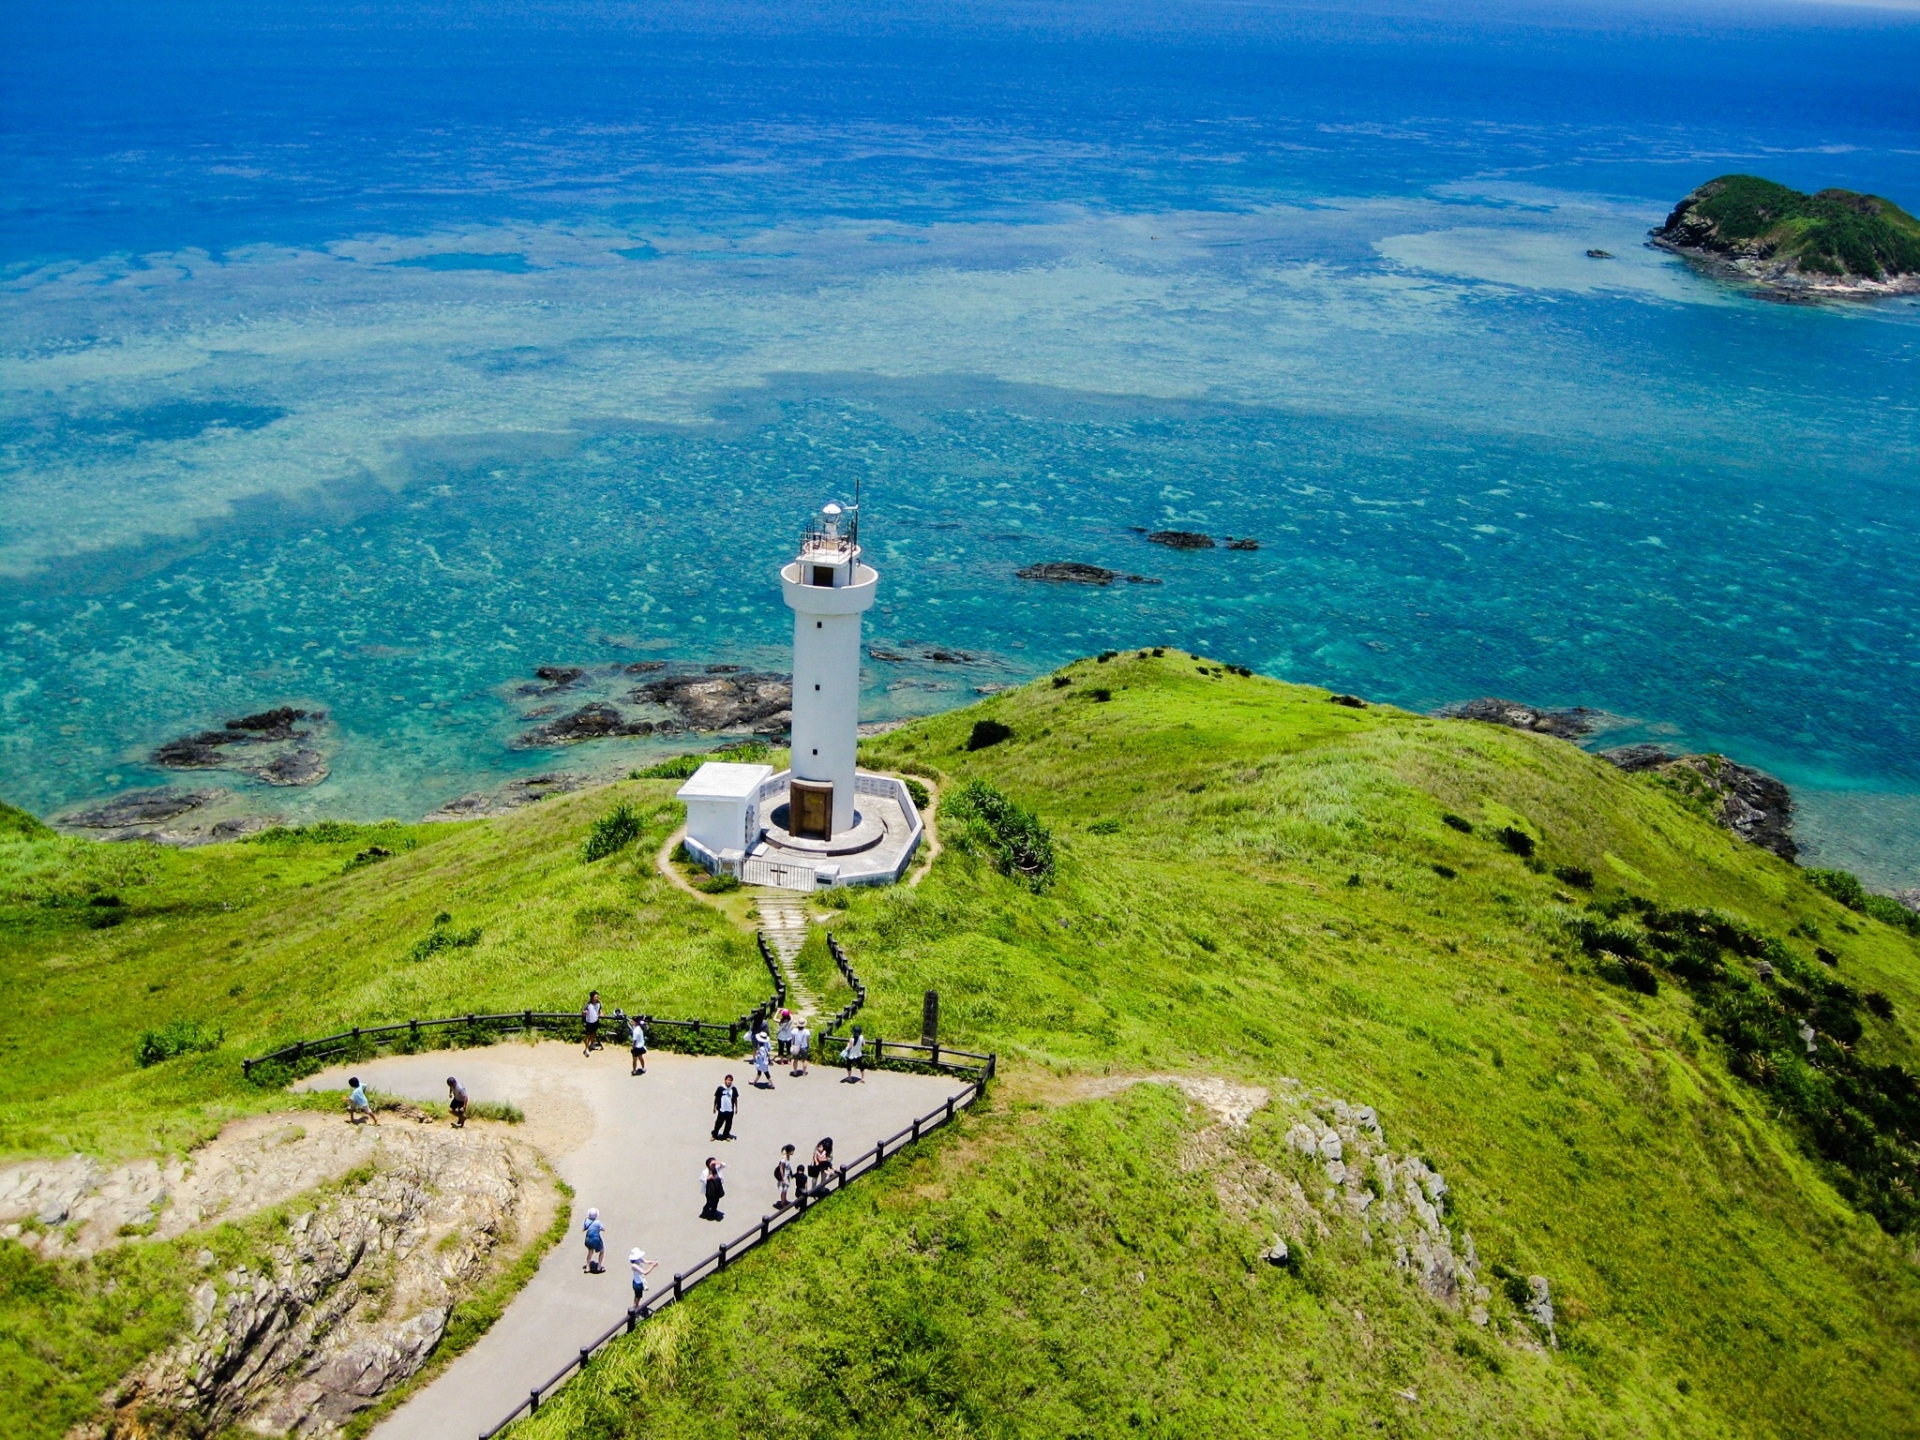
x: 1248, y: 883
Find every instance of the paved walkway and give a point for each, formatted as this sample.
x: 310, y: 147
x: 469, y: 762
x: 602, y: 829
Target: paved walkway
x: 633, y: 1148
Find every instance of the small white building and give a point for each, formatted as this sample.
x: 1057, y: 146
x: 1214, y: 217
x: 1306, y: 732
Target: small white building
x: 823, y: 821
x: 723, y: 809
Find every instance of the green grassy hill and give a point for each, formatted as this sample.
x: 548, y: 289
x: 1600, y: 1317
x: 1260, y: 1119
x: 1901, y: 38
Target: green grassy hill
x: 1250, y: 883
x: 1833, y: 233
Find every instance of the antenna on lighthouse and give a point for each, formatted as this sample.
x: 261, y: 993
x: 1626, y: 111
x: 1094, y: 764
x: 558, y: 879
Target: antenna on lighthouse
x: 856, y: 512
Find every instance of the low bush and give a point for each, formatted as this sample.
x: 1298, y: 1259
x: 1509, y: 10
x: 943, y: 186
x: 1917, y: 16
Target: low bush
x: 917, y: 793
x: 986, y: 733
x: 1578, y: 876
x: 674, y: 767
x: 1457, y: 822
x: 719, y: 884
x: 612, y: 833
x: 176, y: 1037
x: 1516, y: 840
x: 443, y: 937
x: 1105, y: 825
x: 1847, y: 889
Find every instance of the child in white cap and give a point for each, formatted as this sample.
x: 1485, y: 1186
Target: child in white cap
x: 641, y: 1267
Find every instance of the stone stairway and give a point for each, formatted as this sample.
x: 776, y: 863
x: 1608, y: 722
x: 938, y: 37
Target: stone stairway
x: 783, y: 920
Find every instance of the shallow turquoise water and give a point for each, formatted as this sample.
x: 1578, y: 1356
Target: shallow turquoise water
x: 375, y: 395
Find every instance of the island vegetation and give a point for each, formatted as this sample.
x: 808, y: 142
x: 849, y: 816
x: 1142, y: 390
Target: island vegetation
x: 1653, y: 1082
x: 1829, y: 242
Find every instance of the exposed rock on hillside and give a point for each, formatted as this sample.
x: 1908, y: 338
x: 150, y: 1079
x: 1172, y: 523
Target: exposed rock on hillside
x: 269, y: 746
x: 1565, y: 724
x: 168, y: 815
x: 1834, y: 242
x: 1749, y: 802
x: 348, y: 1301
x: 143, y: 807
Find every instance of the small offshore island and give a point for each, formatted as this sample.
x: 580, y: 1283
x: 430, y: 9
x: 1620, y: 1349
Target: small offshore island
x: 1831, y: 244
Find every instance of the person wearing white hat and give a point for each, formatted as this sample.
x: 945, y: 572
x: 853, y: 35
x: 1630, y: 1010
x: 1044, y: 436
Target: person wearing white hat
x: 641, y: 1267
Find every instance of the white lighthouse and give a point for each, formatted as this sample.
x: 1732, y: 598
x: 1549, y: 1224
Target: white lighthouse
x: 822, y: 821
x: 828, y: 589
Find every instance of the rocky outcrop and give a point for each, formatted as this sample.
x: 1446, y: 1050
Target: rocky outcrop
x: 509, y: 797
x: 386, y: 1230
x: 1571, y: 724
x: 595, y: 721
x: 1749, y: 802
x: 762, y: 704
x: 142, y: 807
x: 1074, y: 572
x: 270, y: 746
x: 1182, y: 539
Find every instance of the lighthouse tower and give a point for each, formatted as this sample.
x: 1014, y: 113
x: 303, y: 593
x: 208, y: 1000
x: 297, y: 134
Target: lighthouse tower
x: 828, y: 590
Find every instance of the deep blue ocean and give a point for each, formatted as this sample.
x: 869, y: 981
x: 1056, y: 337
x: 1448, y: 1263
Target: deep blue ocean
x: 367, y: 357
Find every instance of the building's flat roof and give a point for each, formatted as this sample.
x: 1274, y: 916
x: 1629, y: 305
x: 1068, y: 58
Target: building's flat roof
x: 721, y: 780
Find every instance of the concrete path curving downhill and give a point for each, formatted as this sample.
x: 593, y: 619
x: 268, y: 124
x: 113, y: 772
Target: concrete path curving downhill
x: 633, y: 1148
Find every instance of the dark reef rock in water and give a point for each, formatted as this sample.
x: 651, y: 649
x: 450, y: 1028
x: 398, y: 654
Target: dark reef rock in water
x: 143, y: 807
x: 597, y: 721
x: 1563, y: 724
x: 509, y: 797
x: 553, y: 678
x: 951, y: 657
x: 1069, y: 572
x: 1245, y: 542
x: 890, y: 657
x: 643, y: 667
x: 1831, y: 243
x: 1182, y: 539
x: 1599, y: 255
x: 1749, y: 802
x: 265, y: 746
x: 739, y: 701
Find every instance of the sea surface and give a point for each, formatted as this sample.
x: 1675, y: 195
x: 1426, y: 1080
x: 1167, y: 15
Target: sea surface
x: 367, y: 357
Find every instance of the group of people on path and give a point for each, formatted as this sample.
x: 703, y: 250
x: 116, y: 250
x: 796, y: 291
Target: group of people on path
x: 793, y: 1183
x: 360, y: 1104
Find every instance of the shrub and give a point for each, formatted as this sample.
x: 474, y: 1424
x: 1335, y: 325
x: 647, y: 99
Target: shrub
x: 1515, y: 839
x: 917, y: 793
x: 1105, y: 655
x: 441, y: 937
x: 1445, y: 872
x: 1457, y: 822
x: 720, y: 884
x: 986, y: 733
x: 1060, y: 682
x: 1878, y: 1004
x: 1578, y: 876
x: 1847, y: 889
x: 1105, y: 825
x: 611, y: 833
x: 1020, y: 845
x: 176, y: 1037
x: 1100, y: 694
x: 674, y: 767
x: 504, y: 1110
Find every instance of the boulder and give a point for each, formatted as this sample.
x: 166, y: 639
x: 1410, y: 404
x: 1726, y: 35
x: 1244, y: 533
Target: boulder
x: 1563, y: 724
x: 1182, y: 539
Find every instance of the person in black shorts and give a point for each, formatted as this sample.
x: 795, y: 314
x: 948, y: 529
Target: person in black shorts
x: 590, y: 1023
x: 457, y: 1102
x: 637, y: 1027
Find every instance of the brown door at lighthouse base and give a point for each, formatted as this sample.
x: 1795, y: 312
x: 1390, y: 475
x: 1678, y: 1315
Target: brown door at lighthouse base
x: 810, y: 807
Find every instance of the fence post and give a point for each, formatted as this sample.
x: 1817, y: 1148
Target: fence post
x: 632, y: 1316
x: 843, y: 1177
x: 765, y: 1222
x: 246, y: 1068
x: 723, y: 1256
x: 533, y: 1404
x: 585, y: 1353
x: 949, y: 1107
x: 676, y: 1287
x: 916, y: 1129
x: 935, y: 1047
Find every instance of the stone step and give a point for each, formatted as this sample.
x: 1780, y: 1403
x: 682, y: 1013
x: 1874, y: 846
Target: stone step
x: 783, y: 920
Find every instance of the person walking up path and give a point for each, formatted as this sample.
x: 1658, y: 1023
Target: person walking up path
x: 855, y: 1055
x: 596, y: 1244
x: 457, y: 1102
x: 783, y: 1173
x: 822, y: 1166
x: 638, y: 1036
x: 714, y: 1188
x: 359, y: 1107
x: 762, y: 1062
x: 641, y: 1267
x: 726, y: 1100
x: 590, y: 1023
x: 802, y: 1043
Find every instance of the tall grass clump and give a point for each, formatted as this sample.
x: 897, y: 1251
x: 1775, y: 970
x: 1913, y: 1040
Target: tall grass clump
x: 981, y: 817
x: 612, y: 833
